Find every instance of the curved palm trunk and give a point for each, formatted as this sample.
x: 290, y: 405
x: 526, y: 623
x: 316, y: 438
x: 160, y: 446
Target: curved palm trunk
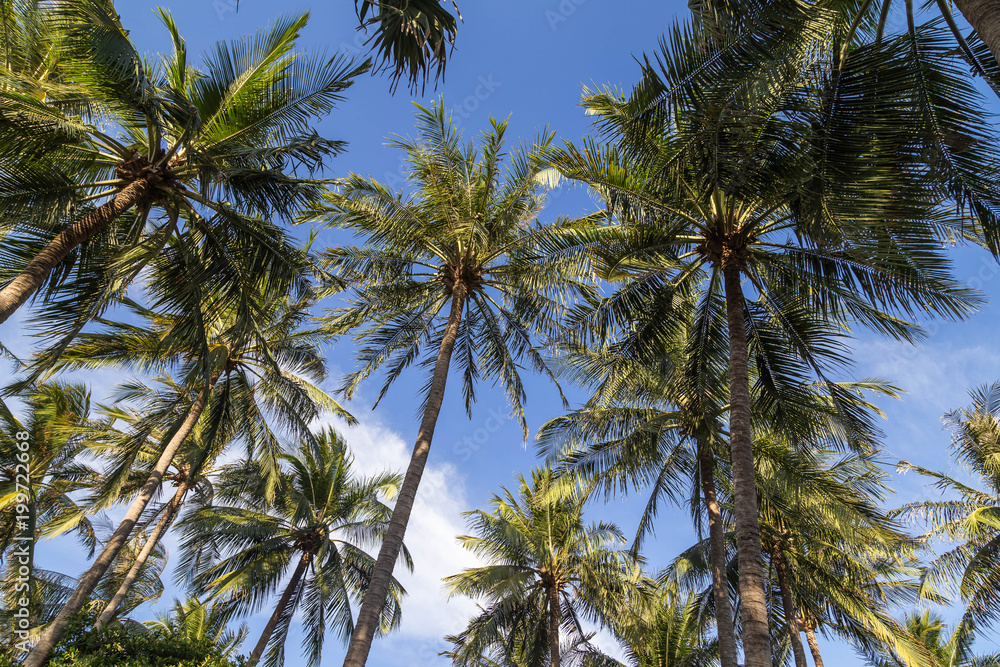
x: 286, y: 597
x: 753, y: 604
x: 154, y: 538
x: 378, y: 589
x: 813, y: 646
x: 984, y: 17
x: 554, y: 621
x: 16, y: 292
x: 717, y: 557
x: 91, y: 577
x: 788, y: 605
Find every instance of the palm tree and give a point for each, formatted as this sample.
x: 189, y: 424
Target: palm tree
x: 411, y: 37
x: 220, y: 142
x: 192, y: 469
x: 655, y: 421
x: 545, y: 570
x: 194, y: 621
x: 670, y: 633
x: 461, y: 267
x: 238, y: 372
x: 973, y: 517
x: 801, y: 34
x: 946, y: 650
x: 837, y: 562
x: 322, y: 518
x: 715, y: 188
x: 43, y: 474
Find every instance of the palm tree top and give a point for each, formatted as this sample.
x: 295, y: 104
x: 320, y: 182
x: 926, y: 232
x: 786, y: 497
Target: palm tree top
x: 468, y: 228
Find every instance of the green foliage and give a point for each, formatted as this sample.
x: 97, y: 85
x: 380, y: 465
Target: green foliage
x: 240, y: 549
x: 469, y: 217
x: 132, y: 645
x: 545, y: 568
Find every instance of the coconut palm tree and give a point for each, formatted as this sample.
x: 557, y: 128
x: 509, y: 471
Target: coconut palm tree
x: 412, y: 37
x: 321, y: 519
x: 459, y: 267
x: 194, y: 621
x: 546, y: 569
x: 721, y: 189
x: 837, y: 563
x: 158, y: 146
x: 946, y: 650
x: 41, y: 477
x: 240, y: 373
x: 656, y: 421
x: 669, y: 633
x: 192, y: 469
x: 972, y: 517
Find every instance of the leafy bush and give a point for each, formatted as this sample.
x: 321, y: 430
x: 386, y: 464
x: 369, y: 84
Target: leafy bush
x: 130, y: 645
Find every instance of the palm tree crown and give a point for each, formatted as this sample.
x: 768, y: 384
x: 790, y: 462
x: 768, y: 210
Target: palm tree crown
x: 546, y: 569
x: 321, y: 520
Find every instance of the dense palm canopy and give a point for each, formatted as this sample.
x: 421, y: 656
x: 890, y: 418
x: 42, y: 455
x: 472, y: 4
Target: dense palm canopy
x: 546, y: 569
x: 971, y: 516
x: 782, y: 174
x: 43, y: 474
x: 134, y: 152
x: 459, y: 270
x: 322, y: 518
x: 714, y: 188
x: 946, y: 649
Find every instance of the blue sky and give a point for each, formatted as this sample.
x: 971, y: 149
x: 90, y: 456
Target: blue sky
x: 530, y: 59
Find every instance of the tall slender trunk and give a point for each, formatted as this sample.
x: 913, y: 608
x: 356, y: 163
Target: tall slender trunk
x: 753, y: 601
x: 286, y: 597
x: 554, y: 621
x: 813, y: 645
x: 169, y: 512
x: 984, y: 17
x: 371, y: 606
x: 92, y: 576
x: 788, y: 605
x: 717, y: 557
x: 16, y: 292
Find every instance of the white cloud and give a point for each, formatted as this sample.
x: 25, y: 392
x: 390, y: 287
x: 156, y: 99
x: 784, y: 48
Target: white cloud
x: 434, y: 524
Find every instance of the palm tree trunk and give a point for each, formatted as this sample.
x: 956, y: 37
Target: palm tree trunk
x: 161, y: 527
x: 753, y: 604
x: 91, y: 577
x: 788, y: 605
x: 378, y: 589
x: 717, y: 557
x: 554, y: 621
x: 984, y: 17
x: 16, y: 292
x: 286, y: 597
x: 813, y: 645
